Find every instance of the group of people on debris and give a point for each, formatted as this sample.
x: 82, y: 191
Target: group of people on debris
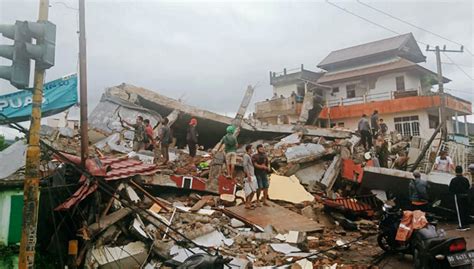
x: 371, y: 130
x: 458, y: 187
x: 256, y: 168
x: 144, y: 138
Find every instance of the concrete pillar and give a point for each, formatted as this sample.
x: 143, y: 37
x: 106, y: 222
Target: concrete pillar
x: 466, y: 130
x: 302, y: 67
x: 456, y: 122
x: 284, y: 71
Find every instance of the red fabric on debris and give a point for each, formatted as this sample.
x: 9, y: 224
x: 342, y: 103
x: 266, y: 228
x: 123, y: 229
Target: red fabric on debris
x: 411, y: 220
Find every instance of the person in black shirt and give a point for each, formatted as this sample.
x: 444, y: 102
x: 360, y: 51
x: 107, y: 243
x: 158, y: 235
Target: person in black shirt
x: 459, y: 186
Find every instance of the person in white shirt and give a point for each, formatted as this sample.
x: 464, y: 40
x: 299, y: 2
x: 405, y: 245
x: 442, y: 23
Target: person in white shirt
x: 443, y: 163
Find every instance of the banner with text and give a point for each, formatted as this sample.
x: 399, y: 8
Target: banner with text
x: 58, y: 95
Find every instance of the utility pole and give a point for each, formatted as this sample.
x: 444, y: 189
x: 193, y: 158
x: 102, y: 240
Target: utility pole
x: 32, y: 174
x: 83, y: 83
x: 437, y: 50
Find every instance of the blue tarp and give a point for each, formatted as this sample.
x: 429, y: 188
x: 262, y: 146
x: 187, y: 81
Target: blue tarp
x: 58, y: 95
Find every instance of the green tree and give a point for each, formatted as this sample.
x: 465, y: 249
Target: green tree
x: 3, y: 143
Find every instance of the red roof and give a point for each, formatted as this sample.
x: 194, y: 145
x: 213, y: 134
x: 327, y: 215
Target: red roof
x: 110, y: 168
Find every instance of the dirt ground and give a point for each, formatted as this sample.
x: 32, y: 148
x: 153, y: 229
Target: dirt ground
x: 406, y: 262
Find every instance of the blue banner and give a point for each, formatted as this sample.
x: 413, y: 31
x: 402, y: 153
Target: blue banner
x: 58, y: 95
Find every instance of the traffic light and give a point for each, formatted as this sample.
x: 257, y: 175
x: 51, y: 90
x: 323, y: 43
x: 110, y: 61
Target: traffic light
x: 22, y: 50
x: 19, y: 72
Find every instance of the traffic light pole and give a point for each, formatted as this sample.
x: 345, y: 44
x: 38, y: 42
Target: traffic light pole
x: 83, y: 83
x: 32, y: 173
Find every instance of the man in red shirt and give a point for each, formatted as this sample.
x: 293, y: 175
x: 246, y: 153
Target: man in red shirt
x: 149, y: 134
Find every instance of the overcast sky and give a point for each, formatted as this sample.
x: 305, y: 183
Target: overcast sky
x: 208, y: 52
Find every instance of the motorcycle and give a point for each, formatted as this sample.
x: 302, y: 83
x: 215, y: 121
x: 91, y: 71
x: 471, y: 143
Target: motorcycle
x: 429, y: 246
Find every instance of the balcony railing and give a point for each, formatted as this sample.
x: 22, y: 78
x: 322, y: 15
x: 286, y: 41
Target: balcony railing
x: 366, y: 98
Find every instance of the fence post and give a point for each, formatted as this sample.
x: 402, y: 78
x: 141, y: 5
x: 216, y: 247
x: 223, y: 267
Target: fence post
x: 341, y: 102
x: 365, y: 98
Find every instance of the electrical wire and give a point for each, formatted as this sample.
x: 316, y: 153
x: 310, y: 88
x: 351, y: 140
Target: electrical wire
x: 413, y: 25
x: 369, y: 21
x: 459, y: 67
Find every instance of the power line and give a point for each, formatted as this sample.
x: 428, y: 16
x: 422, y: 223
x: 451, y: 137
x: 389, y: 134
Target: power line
x: 369, y: 21
x: 413, y: 25
x: 463, y: 65
x: 459, y: 67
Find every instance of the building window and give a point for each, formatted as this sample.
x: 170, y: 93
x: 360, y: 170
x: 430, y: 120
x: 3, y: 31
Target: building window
x: 371, y: 83
x: 407, y: 126
x: 351, y: 90
x: 433, y: 121
x: 335, y: 90
x: 400, y: 83
x: 340, y: 124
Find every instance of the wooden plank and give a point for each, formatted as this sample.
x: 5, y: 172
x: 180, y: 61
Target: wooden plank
x: 201, y: 203
x: 282, y: 219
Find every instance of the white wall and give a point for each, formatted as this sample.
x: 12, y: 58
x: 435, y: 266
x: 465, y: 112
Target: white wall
x: 285, y: 90
x: 383, y: 84
x: 425, y: 131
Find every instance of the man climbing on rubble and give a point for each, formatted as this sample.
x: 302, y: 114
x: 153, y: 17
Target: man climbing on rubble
x: 459, y: 187
x: 262, y: 168
x: 418, y: 192
x: 139, y: 133
x: 165, y: 140
x: 364, y: 129
x: 444, y: 163
x: 230, y: 149
x: 192, y: 138
x: 250, y: 181
x: 149, y: 135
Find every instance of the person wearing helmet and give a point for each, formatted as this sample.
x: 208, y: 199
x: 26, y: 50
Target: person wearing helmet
x: 418, y: 192
x: 230, y: 149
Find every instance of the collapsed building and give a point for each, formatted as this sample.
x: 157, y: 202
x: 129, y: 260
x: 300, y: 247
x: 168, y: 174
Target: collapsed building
x: 123, y: 210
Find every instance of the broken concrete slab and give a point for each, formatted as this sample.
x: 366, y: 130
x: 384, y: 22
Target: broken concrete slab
x: 12, y: 158
x: 284, y: 248
x: 311, y: 174
x: 332, y: 173
x: 282, y: 219
x: 288, y: 189
x: 305, y: 153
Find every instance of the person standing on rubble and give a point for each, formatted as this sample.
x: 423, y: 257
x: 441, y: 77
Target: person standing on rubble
x: 165, y: 140
x: 383, y: 128
x: 262, y: 168
x: 192, y: 138
x: 139, y: 133
x: 149, y: 134
x: 230, y: 149
x: 418, y: 192
x: 459, y: 187
x: 374, y: 123
x: 444, y: 163
x: 250, y: 181
x: 364, y: 129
